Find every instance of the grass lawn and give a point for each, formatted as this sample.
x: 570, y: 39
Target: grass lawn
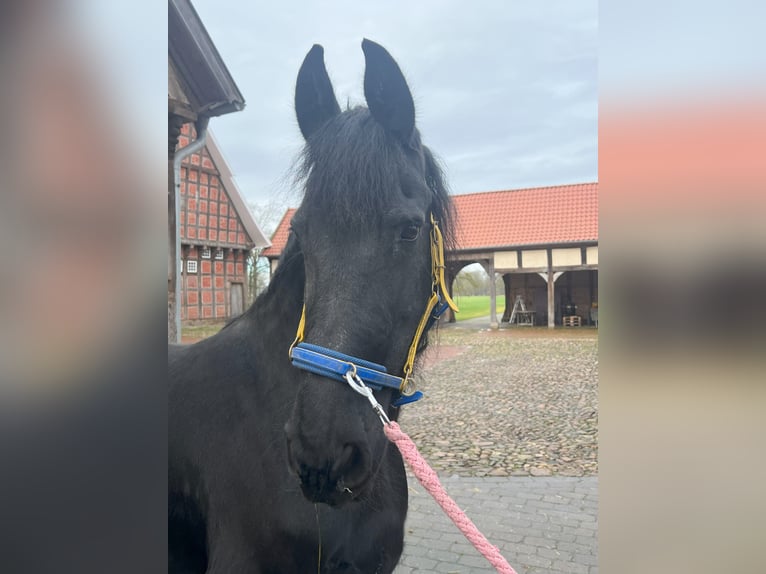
x: 197, y: 332
x: 476, y: 306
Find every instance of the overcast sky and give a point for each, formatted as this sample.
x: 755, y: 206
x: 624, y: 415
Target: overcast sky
x: 505, y: 91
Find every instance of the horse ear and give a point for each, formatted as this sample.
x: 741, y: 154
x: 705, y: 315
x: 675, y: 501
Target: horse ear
x: 386, y: 91
x: 315, y: 101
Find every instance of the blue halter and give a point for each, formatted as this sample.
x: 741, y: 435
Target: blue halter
x: 334, y: 364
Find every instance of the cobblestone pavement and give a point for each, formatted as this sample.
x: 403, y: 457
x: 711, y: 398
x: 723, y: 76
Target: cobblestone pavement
x: 541, y: 525
x: 510, y: 424
x: 514, y: 402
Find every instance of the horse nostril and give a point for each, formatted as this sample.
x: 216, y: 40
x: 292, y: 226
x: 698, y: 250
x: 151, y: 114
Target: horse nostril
x: 346, y: 459
x: 351, y: 467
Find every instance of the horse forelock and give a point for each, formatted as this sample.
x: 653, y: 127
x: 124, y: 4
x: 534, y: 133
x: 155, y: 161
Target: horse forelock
x: 351, y: 167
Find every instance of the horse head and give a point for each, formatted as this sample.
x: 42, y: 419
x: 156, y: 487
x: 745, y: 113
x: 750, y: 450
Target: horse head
x: 371, y: 188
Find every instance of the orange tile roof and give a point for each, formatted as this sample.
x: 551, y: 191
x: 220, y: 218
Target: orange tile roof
x: 279, y: 239
x: 516, y: 217
x: 532, y: 216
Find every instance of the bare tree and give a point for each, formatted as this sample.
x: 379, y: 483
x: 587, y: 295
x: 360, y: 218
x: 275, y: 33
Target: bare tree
x: 268, y: 214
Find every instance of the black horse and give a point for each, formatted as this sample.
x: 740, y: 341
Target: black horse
x: 276, y: 470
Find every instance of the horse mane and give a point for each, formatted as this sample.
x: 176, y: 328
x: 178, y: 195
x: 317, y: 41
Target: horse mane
x: 348, y: 170
x: 441, y: 205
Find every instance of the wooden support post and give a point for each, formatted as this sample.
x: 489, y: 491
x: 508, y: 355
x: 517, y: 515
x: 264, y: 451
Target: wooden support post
x: 492, y: 294
x: 551, y: 300
x: 551, y: 280
x: 508, y: 302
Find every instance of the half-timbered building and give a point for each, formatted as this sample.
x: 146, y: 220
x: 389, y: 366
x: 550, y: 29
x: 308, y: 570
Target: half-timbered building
x: 218, y: 234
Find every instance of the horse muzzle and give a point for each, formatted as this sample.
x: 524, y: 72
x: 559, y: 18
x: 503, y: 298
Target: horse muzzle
x: 334, y: 476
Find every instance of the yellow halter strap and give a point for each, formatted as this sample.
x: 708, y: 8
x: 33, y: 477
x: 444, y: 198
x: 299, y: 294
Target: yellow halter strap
x: 438, y: 292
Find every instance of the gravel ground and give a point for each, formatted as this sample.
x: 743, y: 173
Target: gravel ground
x: 513, y: 402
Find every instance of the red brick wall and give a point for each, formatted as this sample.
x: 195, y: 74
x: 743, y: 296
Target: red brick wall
x: 206, y: 294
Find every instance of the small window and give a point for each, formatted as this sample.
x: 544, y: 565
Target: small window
x: 219, y: 253
x: 191, y: 266
x: 205, y: 253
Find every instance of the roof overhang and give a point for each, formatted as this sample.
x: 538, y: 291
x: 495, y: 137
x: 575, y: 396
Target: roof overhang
x: 198, y: 68
x: 577, y: 243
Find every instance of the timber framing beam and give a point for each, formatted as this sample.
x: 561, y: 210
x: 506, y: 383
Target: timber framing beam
x: 561, y: 268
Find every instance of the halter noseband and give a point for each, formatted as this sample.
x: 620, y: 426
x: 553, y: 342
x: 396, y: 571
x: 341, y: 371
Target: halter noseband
x: 335, y: 365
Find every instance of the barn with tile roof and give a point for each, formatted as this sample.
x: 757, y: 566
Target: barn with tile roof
x: 543, y: 241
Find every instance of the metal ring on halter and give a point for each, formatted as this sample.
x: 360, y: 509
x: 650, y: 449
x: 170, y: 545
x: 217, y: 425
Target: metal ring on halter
x: 408, y: 385
x: 358, y: 385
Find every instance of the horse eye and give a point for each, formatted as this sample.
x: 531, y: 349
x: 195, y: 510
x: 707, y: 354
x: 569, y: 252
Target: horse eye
x: 410, y: 232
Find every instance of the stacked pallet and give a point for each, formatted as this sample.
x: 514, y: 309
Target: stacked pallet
x: 572, y: 321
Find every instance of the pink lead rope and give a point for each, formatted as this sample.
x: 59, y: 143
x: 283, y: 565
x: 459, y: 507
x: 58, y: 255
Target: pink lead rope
x: 427, y: 477
x: 430, y: 481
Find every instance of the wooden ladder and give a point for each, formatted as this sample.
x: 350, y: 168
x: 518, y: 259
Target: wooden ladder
x: 518, y: 305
